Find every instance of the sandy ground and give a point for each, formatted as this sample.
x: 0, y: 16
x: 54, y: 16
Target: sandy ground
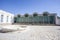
x: 34, y: 33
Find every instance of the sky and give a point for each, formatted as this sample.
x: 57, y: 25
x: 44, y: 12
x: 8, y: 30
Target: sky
x: 30, y: 6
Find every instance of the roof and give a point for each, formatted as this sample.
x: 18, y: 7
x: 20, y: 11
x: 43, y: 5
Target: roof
x: 5, y: 12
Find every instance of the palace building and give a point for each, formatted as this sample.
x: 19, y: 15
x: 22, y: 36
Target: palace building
x: 6, y: 17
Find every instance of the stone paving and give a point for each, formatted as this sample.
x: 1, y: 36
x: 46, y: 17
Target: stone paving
x: 34, y: 33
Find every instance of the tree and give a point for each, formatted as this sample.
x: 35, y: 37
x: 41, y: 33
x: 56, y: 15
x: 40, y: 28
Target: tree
x: 26, y: 15
x: 35, y: 14
x: 18, y: 15
x: 45, y: 13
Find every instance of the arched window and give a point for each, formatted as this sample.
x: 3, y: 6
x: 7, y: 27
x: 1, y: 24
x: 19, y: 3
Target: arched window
x: 7, y: 18
x: 11, y: 18
x: 1, y: 18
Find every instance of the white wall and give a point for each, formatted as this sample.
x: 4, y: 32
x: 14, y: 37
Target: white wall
x: 5, y: 14
x: 57, y: 21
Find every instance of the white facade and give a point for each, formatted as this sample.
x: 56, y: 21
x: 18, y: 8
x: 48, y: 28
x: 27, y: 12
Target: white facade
x: 6, y: 17
x: 57, y: 21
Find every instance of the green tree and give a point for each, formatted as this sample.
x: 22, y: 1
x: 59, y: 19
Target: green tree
x: 35, y: 14
x: 45, y: 13
x: 18, y: 15
x: 26, y: 15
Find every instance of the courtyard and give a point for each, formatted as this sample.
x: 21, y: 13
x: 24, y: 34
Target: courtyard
x: 33, y: 32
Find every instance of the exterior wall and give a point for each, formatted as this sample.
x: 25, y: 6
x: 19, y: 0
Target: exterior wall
x: 5, y: 14
x: 57, y: 21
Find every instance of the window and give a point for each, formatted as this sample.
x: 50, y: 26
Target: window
x: 7, y: 18
x: 1, y: 18
x: 11, y: 18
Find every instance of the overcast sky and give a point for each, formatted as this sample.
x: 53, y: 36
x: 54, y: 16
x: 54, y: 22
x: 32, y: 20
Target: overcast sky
x: 30, y: 6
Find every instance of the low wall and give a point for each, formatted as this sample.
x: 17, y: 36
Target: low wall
x: 5, y: 23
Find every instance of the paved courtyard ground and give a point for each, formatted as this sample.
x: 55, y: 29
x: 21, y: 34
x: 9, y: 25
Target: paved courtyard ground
x: 34, y: 33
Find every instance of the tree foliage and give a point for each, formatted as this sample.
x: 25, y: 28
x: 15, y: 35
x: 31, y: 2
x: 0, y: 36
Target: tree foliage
x: 18, y: 15
x: 35, y: 14
x: 26, y: 15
